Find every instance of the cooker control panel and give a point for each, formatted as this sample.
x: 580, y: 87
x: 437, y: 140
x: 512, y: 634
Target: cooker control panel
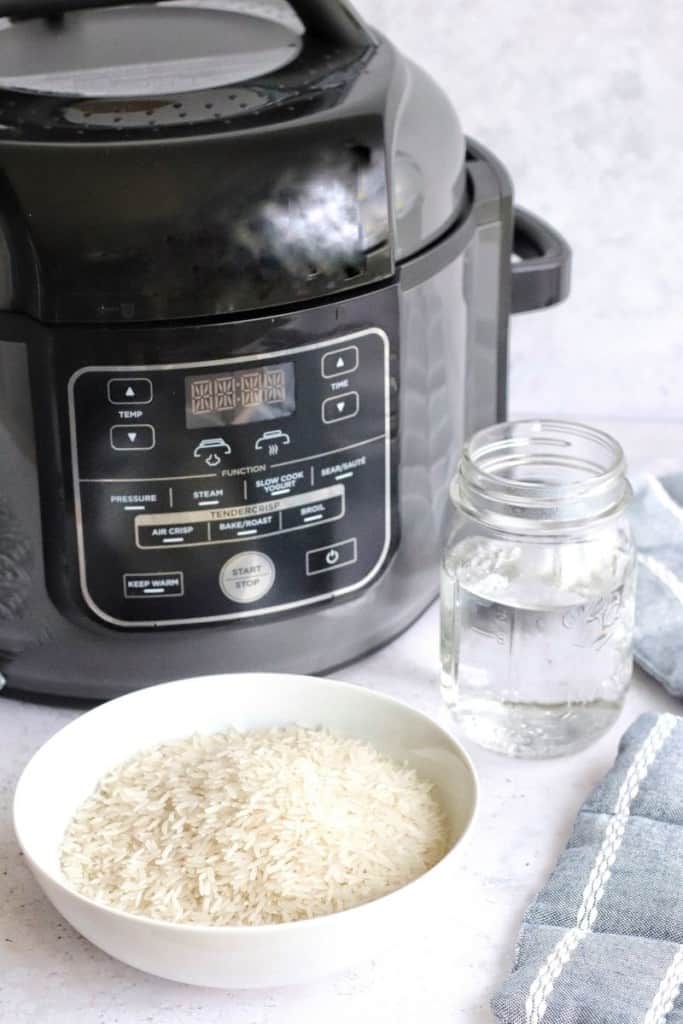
x: 232, y: 488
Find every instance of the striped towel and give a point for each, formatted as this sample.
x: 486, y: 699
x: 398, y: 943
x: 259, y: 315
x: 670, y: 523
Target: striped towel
x: 602, y: 943
x: 657, y: 522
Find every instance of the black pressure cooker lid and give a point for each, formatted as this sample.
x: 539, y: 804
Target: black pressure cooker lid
x: 138, y: 52
x: 204, y: 157
x: 147, y: 66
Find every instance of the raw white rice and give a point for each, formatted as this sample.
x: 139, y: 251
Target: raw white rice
x: 253, y: 828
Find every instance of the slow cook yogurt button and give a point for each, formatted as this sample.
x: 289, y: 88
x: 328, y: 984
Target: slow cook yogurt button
x: 247, y: 577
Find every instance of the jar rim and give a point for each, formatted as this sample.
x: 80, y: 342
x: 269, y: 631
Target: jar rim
x: 548, y: 472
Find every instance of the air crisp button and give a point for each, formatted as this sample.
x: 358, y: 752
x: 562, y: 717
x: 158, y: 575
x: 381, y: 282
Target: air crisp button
x: 172, y: 534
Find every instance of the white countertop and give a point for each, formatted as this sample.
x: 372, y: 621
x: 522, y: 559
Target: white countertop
x: 445, y: 976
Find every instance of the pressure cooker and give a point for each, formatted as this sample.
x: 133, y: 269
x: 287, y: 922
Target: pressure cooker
x: 254, y: 294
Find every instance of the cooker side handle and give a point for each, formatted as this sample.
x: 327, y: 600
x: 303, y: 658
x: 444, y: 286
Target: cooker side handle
x: 541, y: 274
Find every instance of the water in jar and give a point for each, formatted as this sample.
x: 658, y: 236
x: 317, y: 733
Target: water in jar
x: 536, y: 640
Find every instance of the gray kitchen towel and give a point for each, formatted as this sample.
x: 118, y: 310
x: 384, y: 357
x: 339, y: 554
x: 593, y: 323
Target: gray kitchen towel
x: 602, y: 942
x: 657, y: 522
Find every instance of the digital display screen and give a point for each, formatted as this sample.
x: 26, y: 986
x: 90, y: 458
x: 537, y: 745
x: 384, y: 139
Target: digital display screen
x: 239, y: 396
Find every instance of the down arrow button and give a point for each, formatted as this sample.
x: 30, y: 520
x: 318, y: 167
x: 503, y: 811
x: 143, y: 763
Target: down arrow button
x: 341, y: 407
x: 123, y: 439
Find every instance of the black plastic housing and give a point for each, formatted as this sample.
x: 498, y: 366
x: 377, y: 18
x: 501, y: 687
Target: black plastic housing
x: 333, y: 196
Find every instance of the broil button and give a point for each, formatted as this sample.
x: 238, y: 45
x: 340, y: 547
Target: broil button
x: 247, y: 577
x: 313, y: 513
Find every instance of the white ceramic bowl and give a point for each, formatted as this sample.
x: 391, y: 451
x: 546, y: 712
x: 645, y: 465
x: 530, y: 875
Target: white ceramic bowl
x: 67, y: 768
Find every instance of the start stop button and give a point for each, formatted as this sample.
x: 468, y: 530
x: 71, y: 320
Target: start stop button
x: 247, y: 577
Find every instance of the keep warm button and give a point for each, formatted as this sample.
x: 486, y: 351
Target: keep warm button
x: 334, y: 556
x: 156, y: 584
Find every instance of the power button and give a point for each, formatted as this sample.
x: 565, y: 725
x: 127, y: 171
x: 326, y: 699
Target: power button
x: 333, y: 556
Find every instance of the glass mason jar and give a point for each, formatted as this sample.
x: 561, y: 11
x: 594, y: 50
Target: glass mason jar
x: 537, y: 588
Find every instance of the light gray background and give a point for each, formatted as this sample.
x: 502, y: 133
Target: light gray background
x: 584, y: 103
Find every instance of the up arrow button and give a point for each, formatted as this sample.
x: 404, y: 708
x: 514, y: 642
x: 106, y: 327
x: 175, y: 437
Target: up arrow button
x: 340, y: 361
x: 129, y: 390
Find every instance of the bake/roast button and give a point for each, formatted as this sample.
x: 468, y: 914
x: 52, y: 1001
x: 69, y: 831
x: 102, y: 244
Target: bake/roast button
x: 171, y: 534
x: 250, y: 526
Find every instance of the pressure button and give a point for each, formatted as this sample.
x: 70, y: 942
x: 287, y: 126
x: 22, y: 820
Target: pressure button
x: 247, y: 577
